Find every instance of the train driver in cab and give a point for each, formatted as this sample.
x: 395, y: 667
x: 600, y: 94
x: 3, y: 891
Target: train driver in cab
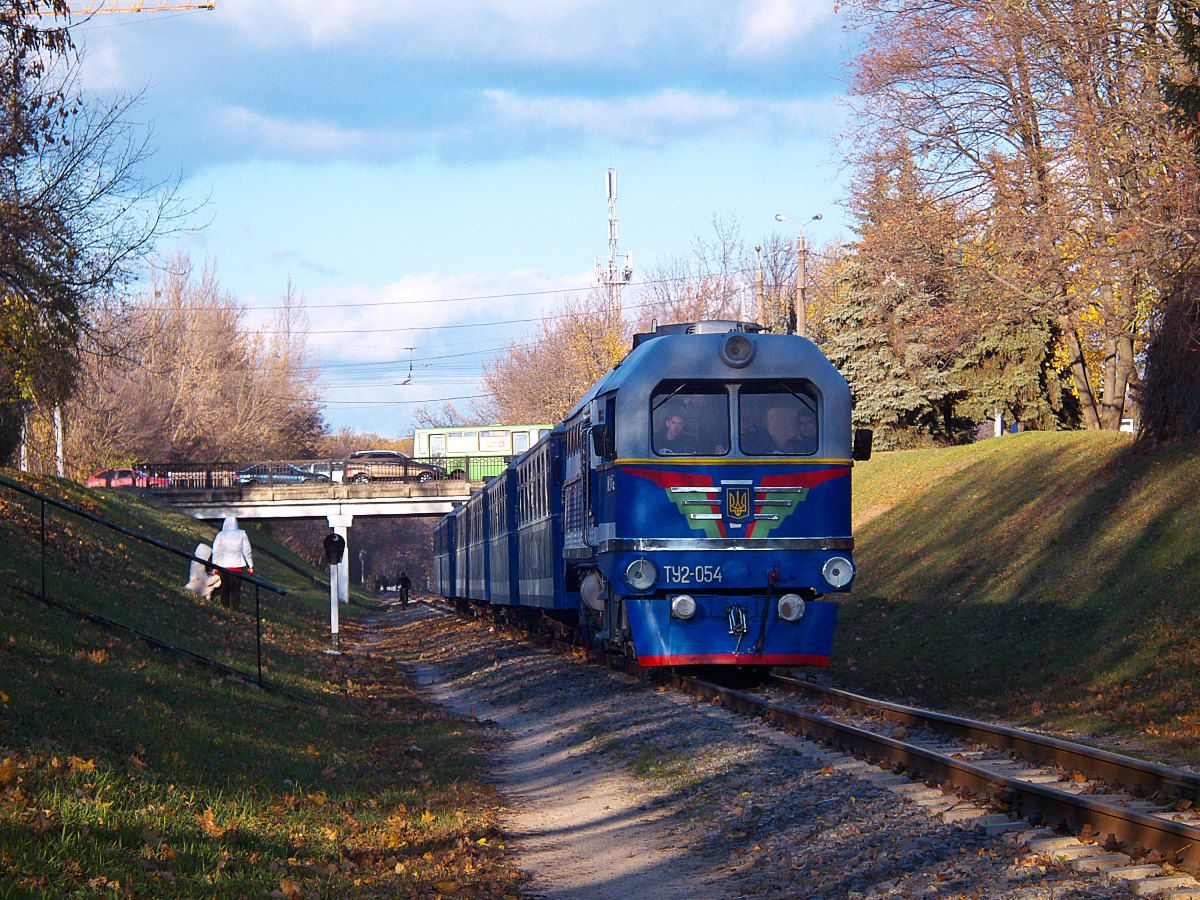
x: 685, y: 431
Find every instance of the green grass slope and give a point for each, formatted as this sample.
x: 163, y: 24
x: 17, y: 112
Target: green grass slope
x: 130, y: 771
x: 1047, y: 578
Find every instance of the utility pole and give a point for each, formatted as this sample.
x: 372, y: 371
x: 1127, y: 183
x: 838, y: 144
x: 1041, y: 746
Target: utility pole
x: 796, y: 323
x: 613, y: 275
x: 758, y: 289
x: 800, y: 315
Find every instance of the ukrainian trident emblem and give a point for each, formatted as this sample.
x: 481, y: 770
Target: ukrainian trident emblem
x: 737, y: 502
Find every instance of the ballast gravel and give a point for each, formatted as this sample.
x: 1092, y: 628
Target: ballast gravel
x: 711, y: 804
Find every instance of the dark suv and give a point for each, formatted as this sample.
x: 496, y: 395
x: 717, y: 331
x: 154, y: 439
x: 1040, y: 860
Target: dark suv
x: 388, y: 465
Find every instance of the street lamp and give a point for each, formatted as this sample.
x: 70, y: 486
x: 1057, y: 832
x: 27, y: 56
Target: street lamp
x: 796, y: 313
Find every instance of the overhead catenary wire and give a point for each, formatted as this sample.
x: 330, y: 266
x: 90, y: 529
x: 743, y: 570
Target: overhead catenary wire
x: 411, y: 328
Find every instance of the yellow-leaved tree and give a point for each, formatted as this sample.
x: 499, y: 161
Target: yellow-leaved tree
x: 541, y: 379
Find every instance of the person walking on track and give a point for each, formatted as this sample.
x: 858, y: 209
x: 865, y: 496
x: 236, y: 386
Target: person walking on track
x: 405, y: 588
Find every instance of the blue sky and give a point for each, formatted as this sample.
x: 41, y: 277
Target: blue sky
x: 388, y: 152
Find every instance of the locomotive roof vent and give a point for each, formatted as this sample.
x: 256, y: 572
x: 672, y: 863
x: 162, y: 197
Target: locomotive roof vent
x: 710, y: 326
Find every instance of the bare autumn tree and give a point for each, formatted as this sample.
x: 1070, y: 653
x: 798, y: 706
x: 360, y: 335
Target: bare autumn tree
x: 346, y: 440
x: 708, y: 284
x: 541, y: 379
x: 75, y: 216
x: 429, y: 415
x: 198, y: 383
x: 1043, y: 124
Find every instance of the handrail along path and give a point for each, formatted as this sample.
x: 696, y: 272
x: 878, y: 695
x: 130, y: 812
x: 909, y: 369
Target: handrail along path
x: 258, y: 583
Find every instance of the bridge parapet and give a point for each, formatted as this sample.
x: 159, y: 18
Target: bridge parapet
x: 323, y: 491
x: 183, y: 476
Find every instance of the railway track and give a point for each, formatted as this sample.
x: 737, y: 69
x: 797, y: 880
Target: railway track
x: 1118, y: 802
x: 992, y: 777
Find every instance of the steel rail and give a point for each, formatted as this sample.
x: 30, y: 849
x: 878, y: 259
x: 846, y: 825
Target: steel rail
x: 1032, y: 802
x: 1135, y: 775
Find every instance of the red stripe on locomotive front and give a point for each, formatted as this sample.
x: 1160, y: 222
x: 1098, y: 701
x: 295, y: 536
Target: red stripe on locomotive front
x: 736, y: 659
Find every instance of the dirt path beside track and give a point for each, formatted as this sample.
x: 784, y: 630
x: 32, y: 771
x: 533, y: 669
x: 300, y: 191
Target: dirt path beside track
x: 613, y: 789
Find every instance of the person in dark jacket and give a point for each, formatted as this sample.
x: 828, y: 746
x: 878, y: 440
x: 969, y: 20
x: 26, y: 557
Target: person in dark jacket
x: 405, y: 588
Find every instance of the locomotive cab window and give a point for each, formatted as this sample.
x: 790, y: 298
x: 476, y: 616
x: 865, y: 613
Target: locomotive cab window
x: 777, y: 419
x: 689, y: 418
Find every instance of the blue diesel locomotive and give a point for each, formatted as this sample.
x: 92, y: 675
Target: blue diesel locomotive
x: 692, y: 509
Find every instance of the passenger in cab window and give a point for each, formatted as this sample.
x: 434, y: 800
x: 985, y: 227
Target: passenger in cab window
x: 793, y: 428
x: 778, y: 424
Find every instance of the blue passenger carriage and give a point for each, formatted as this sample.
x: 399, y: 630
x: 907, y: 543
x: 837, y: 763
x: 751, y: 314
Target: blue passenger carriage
x: 539, y: 526
x: 462, y: 547
x: 443, y: 556
x: 502, y: 539
x: 475, y: 511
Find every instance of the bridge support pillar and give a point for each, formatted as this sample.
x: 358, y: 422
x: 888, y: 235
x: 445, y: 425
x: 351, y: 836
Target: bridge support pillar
x: 341, y: 524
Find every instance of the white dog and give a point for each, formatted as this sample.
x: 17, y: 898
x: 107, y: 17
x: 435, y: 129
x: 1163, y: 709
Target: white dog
x: 199, y: 581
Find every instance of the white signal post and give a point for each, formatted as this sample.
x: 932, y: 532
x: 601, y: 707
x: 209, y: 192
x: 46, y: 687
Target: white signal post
x: 333, y: 606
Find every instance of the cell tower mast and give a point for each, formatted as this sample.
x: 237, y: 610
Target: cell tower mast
x: 613, y: 275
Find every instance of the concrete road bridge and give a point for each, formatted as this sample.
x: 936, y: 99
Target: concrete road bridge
x: 339, y: 504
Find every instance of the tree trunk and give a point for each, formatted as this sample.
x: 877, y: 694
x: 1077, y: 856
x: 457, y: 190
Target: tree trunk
x: 1087, y: 397
x: 1122, y: 367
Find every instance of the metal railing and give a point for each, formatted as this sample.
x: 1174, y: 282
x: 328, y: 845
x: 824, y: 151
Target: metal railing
x: 109, y: 621
x: 281, y: 473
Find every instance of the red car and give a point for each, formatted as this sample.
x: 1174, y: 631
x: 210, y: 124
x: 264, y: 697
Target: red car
x: 125, y: 478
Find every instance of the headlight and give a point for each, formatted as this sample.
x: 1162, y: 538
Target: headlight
x: 641, y: 574
x: 683, y: 607
x: 791, y: 607
x: 838, y: 571
x: 737, y: 350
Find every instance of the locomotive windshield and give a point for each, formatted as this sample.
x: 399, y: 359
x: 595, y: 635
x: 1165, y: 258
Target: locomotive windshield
x: 690, y: 418
x: 777, y: 419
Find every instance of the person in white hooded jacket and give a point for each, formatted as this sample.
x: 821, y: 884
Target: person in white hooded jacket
x: 202, y: 580
x: 231, y: 550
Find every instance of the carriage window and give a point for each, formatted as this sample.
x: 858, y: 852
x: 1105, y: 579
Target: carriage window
x: 520, y: 441
x: 777, y: 419
x: 496, y: 441
x: 462, y: 441
x: 690, y: 419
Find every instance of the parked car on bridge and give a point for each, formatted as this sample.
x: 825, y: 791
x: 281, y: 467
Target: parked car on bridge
x: 363, y: 466
x: 125, y: 478
x: 277, y: 473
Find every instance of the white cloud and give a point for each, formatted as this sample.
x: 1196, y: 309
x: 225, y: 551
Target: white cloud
x: 658, y: 117
x: 511, y: 29
x: 344, y: 326
x: 768, y: 26
x: 515, y: 122
x: 529, y: 30
x: 104, y: 69
x: 371, y: 364
x: 278, y: 136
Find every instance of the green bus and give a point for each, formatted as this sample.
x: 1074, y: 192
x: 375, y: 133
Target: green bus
x: 476, y: 452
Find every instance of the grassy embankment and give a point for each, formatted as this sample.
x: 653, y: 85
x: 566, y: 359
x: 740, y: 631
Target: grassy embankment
x: 1051, y: 579
x: 129, y: 770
